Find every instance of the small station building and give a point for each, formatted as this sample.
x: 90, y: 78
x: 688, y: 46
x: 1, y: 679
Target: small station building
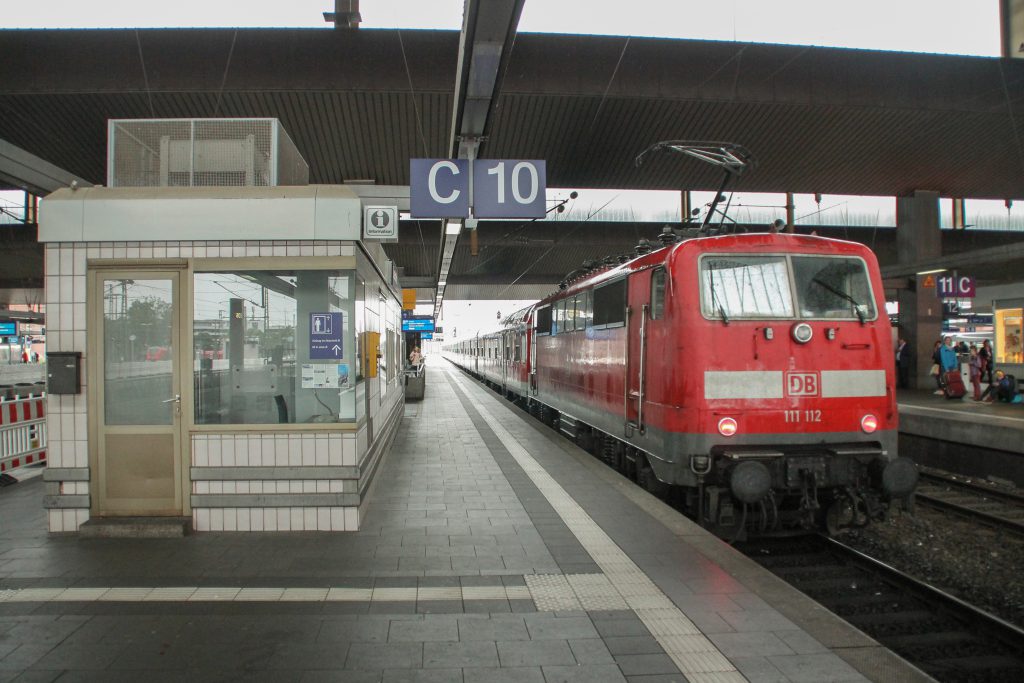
x: 224, y: 346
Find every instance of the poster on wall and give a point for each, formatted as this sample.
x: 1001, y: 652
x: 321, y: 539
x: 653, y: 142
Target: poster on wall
x: 325, y: 376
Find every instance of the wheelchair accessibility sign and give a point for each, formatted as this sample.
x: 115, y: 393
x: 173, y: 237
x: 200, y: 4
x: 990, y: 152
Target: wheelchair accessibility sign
x: 325, y: 336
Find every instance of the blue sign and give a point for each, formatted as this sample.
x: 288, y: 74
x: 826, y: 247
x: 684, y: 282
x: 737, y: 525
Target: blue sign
x: 439, y: 188
x: 509, y: 188
x: 502, y: 188
x: 325, y: 336
x: 426, y: 335
x: 9, y: 329
x: 418, y: 325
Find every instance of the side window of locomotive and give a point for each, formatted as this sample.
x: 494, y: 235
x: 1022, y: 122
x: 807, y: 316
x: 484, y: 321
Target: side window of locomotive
x: 610, y: 304
x: 543, y: 321
x: 579, y: 321
x: 745, y: 287
x: 586, y: 318
x: 570, y: 314
x: 658, y: 294
x: 560, y: 316
x: 829, y: 287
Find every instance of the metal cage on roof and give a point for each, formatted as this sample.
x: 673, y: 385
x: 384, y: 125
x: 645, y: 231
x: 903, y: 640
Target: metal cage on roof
x: 202, y: 153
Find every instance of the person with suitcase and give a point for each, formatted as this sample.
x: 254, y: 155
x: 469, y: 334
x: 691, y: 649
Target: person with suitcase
x: 953, y: 382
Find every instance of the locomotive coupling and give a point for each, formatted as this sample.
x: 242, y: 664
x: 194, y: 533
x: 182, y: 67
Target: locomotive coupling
x: 899, y: 478
x: 750, y: 481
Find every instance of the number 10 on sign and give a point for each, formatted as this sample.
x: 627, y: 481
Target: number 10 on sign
x: 509, y: 188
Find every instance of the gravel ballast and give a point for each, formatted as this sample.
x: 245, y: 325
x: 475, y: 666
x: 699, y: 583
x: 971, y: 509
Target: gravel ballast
x: 978, y: 564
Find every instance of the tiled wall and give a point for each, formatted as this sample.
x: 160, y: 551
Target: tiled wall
x: 68, y: 479
x: 241, y: 452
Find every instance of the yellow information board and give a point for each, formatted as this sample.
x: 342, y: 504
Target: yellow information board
x: 408, y: 299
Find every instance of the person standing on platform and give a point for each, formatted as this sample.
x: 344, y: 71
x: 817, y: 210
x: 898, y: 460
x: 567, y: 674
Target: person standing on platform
x: 947, y: 355
x: 975, y: 364
x: 985, y: 354
x: 415, y: 358
x: 902, y: 364
x: 948, y: 360
x: 937, y: 366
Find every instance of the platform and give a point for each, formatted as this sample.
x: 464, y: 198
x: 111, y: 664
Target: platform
x: 493, y: 550
x: 963, y: 435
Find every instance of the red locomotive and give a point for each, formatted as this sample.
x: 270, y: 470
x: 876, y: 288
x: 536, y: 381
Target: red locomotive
x: 750, y: 375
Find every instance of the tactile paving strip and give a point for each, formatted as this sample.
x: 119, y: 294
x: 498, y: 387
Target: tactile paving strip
x: 313, y: 594
x: 661, y: 617
x: 552, y: 592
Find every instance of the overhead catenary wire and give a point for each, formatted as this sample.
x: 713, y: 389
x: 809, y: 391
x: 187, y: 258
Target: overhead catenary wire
x: 145, y: 76
x: 564, y: 237
x: 412, y: 93
x: 224, y: 78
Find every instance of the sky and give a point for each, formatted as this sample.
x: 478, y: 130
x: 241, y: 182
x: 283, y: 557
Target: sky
x: 969, y: 27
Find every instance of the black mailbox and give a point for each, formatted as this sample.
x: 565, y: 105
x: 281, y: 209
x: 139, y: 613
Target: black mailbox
x: 64, y: 372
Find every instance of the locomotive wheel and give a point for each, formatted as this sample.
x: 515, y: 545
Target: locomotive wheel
x: 840, y: 516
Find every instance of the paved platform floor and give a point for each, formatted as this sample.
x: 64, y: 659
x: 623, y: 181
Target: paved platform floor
x: 493, y: 550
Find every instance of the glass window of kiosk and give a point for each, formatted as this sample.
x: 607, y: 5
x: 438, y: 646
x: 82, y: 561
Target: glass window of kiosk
x: 1008, y: 337
x: 274, y: 347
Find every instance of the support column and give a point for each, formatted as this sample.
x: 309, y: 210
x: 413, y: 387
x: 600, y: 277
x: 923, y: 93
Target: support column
x: 918, y: 238
x: 790, y: 213
x: 1011, y: 24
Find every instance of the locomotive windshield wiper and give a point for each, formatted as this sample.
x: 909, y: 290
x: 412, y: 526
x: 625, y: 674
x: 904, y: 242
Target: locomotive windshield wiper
x: 858, y: 307
x: 714, y: 298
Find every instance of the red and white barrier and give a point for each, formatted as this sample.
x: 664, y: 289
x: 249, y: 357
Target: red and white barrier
x: 22, y: 432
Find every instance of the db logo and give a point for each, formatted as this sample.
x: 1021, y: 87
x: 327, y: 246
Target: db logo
x: 802, y: 384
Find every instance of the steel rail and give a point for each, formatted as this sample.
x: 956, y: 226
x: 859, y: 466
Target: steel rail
x: 990, y: 491
x: 1010, y: 634
x: 970, y: 513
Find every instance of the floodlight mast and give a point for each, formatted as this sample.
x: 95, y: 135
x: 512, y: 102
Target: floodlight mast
x: 732, y: 158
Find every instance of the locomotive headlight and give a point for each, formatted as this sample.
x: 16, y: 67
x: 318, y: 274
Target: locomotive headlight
x: 802, y: 333
x: 869, y: 423
x: 727, y: 426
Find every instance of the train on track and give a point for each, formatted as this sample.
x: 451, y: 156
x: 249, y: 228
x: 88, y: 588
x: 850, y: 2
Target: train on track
x: 748, y: 376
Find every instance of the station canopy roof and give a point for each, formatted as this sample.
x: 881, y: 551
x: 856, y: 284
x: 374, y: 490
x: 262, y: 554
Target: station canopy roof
x: 359, y: 104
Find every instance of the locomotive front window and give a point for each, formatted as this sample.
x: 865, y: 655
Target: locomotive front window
x: 832, y: 288
x: 745, y: 287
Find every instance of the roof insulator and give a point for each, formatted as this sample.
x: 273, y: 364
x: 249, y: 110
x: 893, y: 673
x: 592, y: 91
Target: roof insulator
x: 644, y: 247
x: 668, y: 236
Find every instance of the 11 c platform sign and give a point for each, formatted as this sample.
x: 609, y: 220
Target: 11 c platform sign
x: 955, y: 287
x: 501, y: 188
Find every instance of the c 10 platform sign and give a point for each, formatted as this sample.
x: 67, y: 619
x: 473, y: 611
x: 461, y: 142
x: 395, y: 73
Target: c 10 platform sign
x: 501, y: 188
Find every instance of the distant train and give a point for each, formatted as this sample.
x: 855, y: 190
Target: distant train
x: 750, y: 376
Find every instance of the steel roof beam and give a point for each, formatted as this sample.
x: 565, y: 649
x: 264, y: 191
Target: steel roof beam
x: 485, y: 44
x: 28, y: 172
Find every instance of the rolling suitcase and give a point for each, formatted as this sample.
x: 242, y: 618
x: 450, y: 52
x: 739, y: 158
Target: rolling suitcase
x: 953, y: 385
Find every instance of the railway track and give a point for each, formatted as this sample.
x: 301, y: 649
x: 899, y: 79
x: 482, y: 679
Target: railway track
x: 942, y: 635
x: 973, y: 500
